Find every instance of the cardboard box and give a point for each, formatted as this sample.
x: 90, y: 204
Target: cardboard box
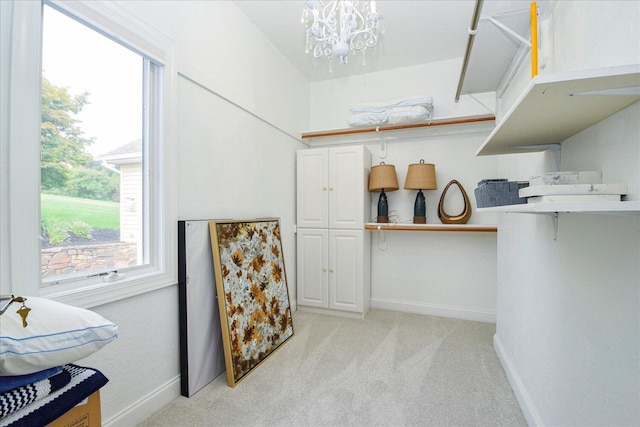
x: 85, y: 414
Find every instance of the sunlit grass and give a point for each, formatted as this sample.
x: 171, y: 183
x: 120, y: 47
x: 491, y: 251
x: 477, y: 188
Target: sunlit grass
x: 95, y: 213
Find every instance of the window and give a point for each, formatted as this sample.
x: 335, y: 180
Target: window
x: 92, y: 154
x: 99, y: 168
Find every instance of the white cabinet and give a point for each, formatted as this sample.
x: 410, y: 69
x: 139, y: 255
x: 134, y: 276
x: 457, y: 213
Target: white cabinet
x: 313, y: 263
x: 332, y: 187
x: 334, y: 269
x: 349, y: 270
x: 333, y: 250
x: 312, y: 203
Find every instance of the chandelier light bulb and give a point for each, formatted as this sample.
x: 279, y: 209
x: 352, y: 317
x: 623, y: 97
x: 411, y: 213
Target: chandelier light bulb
x: 335, y: 27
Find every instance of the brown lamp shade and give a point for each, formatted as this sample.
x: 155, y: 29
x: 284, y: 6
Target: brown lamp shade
x: 421, y: 176
x: 383, y: 176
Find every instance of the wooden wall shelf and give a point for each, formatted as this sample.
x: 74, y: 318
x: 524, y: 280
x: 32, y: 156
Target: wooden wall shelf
x: 432, y: 227
x: 418, y: 126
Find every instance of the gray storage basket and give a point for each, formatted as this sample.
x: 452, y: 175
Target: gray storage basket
x: 499, y: 192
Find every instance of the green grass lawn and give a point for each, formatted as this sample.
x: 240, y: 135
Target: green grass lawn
x: 96, y: 213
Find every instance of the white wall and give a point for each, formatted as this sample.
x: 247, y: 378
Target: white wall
x: 222, y: 50
x: 568, y: 326
x: 581, y: 35
x: 143, y: 364
x: 446, y: 274
x: 593, y: 34
x: 568, y: 323
x: 236, y: 159
x: 331, y: 99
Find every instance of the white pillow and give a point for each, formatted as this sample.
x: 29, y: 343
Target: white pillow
x: 56, y: 334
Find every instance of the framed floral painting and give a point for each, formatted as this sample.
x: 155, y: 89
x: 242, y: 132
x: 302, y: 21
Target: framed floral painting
x: 253, y: 297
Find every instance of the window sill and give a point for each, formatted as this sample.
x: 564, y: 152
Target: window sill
x: 107, y: 292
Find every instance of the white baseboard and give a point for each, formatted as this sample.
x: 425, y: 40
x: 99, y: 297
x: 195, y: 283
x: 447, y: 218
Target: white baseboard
x: 329, y: 312
x: 524, y: 399
x: 434, y: 310
x: 142, y: 409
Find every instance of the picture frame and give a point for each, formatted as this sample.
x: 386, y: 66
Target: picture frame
x: 252, y: 292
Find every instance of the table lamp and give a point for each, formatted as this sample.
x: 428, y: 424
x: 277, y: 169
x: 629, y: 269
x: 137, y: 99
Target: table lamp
x: 383, y: 177
x: 420, y: 176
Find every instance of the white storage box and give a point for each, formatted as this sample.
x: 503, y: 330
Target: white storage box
x: 567, y: 177
x: 568, y: 189
x: 575, y: 198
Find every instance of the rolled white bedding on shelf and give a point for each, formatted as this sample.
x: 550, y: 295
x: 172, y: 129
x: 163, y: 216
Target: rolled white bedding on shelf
x: 393, y: 116
x: 382, y: 106
x: 399, y: 111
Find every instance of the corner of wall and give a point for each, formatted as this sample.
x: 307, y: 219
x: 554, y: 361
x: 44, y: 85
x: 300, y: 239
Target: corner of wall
x: 143, y: 408
x: 517, y: 385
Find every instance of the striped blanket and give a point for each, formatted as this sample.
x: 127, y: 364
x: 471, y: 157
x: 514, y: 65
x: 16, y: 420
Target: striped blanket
x: 42, y: 402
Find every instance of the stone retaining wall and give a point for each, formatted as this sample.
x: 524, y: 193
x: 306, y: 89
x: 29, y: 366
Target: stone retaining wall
x: 74, y: 259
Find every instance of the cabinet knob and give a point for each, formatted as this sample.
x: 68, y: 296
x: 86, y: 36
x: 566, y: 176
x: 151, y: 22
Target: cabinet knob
x: 330, y: 188
x: 324, y: 188
x: 331, y: 270
x: 324, y: 269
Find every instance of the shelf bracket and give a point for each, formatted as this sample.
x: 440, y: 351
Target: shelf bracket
x: 508, y: 31
x: 382, y: 241
x: 382, y: 153
x: 554, y: 219
x: 470, y: 95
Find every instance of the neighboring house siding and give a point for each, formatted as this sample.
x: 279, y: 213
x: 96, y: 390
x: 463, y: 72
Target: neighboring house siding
x: 131, y: 202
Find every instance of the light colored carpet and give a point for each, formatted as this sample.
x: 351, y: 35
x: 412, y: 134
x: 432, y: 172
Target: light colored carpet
x: 390, y: 369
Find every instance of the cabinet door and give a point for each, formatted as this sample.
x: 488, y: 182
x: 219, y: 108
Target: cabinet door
x: 312, y: 188
x: 312, y: 275
x: 348, y: 176
x: 346, y: 269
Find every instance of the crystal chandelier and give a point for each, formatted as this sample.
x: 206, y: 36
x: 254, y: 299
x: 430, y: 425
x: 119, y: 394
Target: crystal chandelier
x: 334, y: 27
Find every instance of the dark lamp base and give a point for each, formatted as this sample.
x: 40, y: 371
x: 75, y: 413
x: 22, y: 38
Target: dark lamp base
x: 419, y: 219
x: 382, y: 219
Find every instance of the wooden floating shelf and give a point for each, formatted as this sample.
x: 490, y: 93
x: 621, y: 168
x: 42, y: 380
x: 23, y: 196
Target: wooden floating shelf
x: 433, y: 123
x: 432, y: 227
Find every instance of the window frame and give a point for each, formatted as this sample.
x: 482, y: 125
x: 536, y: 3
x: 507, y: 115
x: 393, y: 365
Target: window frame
x: 21, y: 53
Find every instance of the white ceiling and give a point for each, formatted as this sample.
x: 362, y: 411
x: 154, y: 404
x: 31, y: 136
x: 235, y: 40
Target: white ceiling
x: 416, y: 32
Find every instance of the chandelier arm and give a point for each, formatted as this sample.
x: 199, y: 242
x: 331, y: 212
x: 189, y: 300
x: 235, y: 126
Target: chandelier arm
x: 363, y: 39
x: 326, y: 12
x: 358, y: 19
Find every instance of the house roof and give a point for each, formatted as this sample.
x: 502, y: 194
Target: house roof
x: 130, y: 152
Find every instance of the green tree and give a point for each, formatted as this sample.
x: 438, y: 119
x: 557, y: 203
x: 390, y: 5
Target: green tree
x: 62, y: 141
x: 94, y: 183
